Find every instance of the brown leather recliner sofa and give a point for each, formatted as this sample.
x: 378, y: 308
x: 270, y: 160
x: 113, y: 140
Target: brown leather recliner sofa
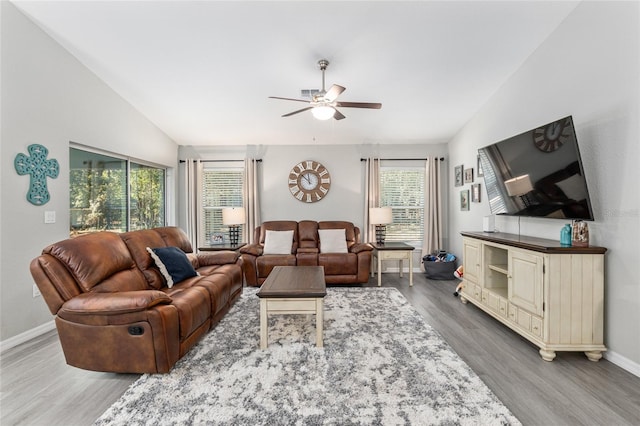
x: 351, y: 267
x: 114, y: 310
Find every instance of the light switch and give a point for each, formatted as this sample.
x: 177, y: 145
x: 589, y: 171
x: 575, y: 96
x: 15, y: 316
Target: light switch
x: 50, y: 217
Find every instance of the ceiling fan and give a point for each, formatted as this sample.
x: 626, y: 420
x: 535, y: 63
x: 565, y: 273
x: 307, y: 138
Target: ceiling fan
x: 323, y: 104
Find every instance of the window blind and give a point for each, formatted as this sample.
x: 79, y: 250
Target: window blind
x: 402, y: 189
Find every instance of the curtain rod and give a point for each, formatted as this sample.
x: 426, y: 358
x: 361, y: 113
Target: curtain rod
x: 259, y: 160
x: 402, y: 159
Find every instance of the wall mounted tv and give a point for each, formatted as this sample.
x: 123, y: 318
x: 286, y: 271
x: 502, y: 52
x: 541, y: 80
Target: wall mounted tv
x: 537, y: 173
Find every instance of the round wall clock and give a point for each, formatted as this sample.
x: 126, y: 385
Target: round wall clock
x: 552, y: 136
x: 309, y: 181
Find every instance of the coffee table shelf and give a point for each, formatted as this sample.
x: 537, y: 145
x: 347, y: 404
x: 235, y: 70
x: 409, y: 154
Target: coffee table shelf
x: 292, y: 290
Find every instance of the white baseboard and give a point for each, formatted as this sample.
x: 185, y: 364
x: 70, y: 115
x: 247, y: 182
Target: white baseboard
x: 27, y: 335
x: 623, y: 362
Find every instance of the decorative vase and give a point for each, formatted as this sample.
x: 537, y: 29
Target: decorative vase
x: 565, y: 236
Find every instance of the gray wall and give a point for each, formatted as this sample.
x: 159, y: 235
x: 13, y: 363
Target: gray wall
x: 49, y: 98
x: 345, y: 200
x: 587, y: 68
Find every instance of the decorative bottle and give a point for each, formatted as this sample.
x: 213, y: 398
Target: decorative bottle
x: 565, y: 235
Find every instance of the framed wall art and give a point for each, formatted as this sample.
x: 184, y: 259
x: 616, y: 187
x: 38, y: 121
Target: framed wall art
x: 464, y: 200
x: 480, y: 172
x: 475, y: 193
x: 458, y: 175
x: 468, y: 175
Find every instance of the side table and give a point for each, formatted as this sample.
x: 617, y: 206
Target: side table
x: 391, y: 251
x: 222, y: 247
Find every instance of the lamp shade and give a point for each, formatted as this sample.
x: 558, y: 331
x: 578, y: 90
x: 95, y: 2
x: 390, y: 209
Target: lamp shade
x: 233, y: 216
x: 323, y: 112
x: 518, y: 185
x: 380, y: 215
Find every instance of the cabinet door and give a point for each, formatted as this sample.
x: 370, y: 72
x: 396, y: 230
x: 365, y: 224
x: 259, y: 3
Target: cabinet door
x: 525, y: 280
x: 471, y: 258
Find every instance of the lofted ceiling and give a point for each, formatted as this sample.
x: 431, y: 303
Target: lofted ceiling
x: 202, y: 71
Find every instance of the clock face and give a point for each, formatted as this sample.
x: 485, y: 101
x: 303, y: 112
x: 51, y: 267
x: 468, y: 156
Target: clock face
x: 552, y: 136
x: 309, y: 181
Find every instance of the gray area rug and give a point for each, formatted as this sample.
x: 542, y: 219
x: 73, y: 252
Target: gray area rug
x: 381, y: 364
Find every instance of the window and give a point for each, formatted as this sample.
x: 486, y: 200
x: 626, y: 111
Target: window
x: 147, y: 199
x: 114, y: 194
x: 221, y: 187
x: 402, y: 189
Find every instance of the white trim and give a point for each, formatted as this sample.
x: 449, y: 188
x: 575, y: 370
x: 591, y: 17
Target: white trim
x: 623, y: 362
x: 14, y: 341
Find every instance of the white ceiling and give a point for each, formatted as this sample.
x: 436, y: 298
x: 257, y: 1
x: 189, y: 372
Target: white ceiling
x: 202, y: 71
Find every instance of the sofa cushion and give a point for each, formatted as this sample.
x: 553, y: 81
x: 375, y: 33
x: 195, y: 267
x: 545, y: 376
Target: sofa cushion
x: 278, y: 242
x: 99, y: 261
x: 332, y: 241
x: 338, y: 263
x: 173, y: 264
x: 307, y: 235
x: 352, y: 233
x: 137, y: 243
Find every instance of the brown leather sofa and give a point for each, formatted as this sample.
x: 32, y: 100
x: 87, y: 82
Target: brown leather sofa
x: 114, y: 311
x: 339, y: 268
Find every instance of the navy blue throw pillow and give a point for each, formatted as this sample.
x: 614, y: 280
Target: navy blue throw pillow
x: 173, y: 264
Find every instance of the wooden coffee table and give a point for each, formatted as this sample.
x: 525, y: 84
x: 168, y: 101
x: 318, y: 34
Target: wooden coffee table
x: 292, y: 290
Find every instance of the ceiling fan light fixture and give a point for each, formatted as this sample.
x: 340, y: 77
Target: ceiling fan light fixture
x: 323, y: 112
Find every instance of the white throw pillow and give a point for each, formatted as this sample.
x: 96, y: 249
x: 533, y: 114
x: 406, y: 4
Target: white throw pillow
x: 333, y: 240
x: 573, y: 187
x: 278, y: 242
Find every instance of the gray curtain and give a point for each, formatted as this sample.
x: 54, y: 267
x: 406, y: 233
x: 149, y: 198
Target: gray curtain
x: 251, y: 199
x: 432, y: 206
x: 193, y: 203
x: 372, y: 196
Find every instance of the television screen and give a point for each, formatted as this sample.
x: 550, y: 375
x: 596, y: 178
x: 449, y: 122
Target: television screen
x: 537, y: 173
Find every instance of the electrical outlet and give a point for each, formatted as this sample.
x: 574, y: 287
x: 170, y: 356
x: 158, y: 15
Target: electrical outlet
x: 36, y: 291
x: 50, y: 216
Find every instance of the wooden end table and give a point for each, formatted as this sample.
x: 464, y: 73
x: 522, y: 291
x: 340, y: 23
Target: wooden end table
x: 391, y: 251
x: 292, y: 290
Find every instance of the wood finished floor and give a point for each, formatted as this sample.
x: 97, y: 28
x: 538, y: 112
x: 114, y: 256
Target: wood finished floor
x: 38, y: 388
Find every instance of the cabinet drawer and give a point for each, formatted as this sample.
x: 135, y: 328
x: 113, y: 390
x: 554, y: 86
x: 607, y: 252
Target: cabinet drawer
x: 472, y: 290
x: 524, y: 319
x: 503, y: 308
x: 536, y: 326
x: 394, y: 255
x: 484, y: 296
x: 513, y: 312
x: 494, y: 302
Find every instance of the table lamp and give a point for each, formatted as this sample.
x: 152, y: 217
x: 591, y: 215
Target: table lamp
x: 380, y: 216
x: 233, y: 217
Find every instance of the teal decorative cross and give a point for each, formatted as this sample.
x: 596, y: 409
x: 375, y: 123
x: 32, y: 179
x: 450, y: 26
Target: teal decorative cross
x: 39, y: 168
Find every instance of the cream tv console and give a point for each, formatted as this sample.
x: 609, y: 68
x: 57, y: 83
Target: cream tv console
x: 551, y: 295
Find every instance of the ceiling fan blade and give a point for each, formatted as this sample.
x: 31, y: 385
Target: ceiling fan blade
x: 370, y: 105
x: 333, y: 92
x: 288, y: 99
x: 298, y: 111
x: 338, y: 115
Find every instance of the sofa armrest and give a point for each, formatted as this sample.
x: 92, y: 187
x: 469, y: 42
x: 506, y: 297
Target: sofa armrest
x: 217, y: 258
x: 252, y: 249
x: 360, y: 247
x: 114, y: 303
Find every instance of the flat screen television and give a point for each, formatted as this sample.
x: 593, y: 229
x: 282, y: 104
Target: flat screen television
x: 537, y: 173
